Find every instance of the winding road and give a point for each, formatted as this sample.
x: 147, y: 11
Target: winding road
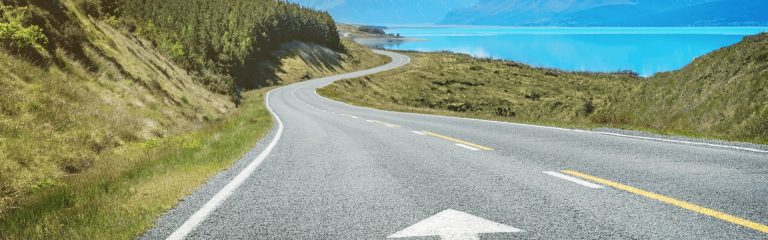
x: 329, y: 170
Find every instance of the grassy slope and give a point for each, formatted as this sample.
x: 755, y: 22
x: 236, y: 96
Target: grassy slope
x: 453, y: 84
x: 61, y: 120
x: 112, y: 146
x: 128, y: 187
x: 721, y: 95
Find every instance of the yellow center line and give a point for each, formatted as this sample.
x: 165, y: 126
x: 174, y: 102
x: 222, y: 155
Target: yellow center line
x: 458, y: 141
x: 679, y: 203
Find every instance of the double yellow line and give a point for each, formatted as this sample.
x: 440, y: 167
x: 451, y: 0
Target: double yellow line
x: 675, y: 202
x: 458, y: 141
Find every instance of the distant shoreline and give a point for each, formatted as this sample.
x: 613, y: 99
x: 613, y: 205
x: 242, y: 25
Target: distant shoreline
x: 376, y: 41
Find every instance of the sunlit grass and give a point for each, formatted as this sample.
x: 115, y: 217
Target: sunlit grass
x: 118, y: 199
x: 459, y: 85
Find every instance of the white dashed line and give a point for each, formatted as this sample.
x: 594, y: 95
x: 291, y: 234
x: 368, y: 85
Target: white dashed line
x: 574, y: 180
x: 467, y: 147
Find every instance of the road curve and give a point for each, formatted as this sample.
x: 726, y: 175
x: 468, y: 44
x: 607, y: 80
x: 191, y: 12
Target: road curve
x: 334, y: 171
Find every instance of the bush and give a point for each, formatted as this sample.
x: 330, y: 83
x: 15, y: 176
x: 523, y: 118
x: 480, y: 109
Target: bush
x: 20, y: 35
x: 100, y: 8
x: 20, y: 40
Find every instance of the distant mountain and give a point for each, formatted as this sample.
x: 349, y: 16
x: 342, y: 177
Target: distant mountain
x: 523, y: 12
x: 547, y: 12
x: 720, y: 13
x: 612, y: 13
x: 387, y: 12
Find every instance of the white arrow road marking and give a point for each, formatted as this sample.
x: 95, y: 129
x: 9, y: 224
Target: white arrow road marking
x: 573, y: 179
x: 467, y: 147
x: 454, y: 225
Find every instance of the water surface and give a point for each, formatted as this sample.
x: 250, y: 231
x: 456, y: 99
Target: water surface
x: 645, y: 51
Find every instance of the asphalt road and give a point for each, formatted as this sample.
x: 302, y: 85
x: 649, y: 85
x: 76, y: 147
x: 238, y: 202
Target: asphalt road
x: 334, y: 171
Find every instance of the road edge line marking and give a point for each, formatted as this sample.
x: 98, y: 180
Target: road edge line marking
x: 193, y: 221
x: 722, y: 146
x: 675, y: 202
x: 574, y: 180
x: 458, y: 141
x: 198, y: 217
x: 682, y: 142
x: 467, y: 147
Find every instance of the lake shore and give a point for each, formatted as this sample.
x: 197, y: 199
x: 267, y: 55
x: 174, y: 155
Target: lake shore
x: 645, y: 51
x: 717, y: 96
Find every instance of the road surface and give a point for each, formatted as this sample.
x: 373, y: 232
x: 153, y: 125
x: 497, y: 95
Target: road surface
x: 330, y: 170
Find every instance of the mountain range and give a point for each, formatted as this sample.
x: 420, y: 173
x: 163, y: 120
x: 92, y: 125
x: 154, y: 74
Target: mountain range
x: 548, y: 12
x: 612, y: 13
x: 387, y: 12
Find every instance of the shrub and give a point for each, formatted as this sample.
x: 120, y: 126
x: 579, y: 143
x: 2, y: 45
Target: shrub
x: 25, y: 41
x: 18, y: 35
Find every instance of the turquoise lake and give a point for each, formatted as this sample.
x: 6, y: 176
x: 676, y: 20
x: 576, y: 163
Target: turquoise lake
x: 645, y: 51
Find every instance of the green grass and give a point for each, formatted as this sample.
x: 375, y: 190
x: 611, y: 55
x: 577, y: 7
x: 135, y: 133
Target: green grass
x: 120, y: 198
x: 124, y: 181
x: 459, y: 85
x: 723, y: 95
x: 105, y: 133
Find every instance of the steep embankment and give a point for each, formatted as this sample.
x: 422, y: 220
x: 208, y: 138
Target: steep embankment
x: 101, y: 129
x: 720, y: 95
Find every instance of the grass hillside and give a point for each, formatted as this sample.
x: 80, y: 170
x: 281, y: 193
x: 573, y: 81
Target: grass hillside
x: 456, y: 84
x: 225, y: 42
x: 67, y: 104
x: 101, y: 127
x: 721, y: 95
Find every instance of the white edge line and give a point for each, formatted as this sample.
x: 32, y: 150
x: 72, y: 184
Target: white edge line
x: 563, y: 129
x: 199, y: 216
x: 467, y: 147
x: 683, y: 142
x: 408, y: 60
x: 574, y: 180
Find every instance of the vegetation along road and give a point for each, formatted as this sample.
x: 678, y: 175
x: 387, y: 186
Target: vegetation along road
x: 336, y: 171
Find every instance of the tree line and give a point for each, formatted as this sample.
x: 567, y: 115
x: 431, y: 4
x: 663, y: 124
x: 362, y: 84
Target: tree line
x: 223, y: 41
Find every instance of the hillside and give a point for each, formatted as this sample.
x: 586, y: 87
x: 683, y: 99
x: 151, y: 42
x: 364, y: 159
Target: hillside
x: 104, y: 124
x: 456, y: 84
x: 721, y: 95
